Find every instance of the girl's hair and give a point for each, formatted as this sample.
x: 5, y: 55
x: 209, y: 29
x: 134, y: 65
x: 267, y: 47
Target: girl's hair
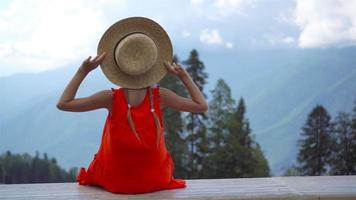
x: 156, y: 119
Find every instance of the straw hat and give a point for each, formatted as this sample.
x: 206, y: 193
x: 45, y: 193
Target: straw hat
x: 136, y: 48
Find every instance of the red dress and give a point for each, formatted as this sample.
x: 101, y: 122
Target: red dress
x: 122, y: 164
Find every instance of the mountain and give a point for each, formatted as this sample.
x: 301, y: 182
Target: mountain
x: 280, y: 87
x: 30, y: 120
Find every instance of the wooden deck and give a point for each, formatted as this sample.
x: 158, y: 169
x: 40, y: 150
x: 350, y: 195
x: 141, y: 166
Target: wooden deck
x: 312, y: 187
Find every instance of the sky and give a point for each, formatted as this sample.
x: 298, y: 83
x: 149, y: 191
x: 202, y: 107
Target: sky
x: 39, y: 35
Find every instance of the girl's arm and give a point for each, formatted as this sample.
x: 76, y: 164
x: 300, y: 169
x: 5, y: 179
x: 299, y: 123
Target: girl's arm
x: 100, y: 99
x: 196, y: 103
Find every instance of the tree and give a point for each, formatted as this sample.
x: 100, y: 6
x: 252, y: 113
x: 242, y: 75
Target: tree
x: 353, y: 127
x: 344, y: 145
x: 292, y: 170
x: 173, y: 125
x: 16, y: 168
x: 245, y: 158
x: 195, y: 125
x: 221, y: 108
x: 314, y: 147
x: 260, y: 166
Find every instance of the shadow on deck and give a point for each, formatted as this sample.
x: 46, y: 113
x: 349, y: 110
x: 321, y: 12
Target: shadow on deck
x: 310, y: 187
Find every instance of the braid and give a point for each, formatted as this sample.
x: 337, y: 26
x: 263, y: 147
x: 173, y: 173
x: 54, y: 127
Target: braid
x: 155, y: 116
x: 156, y: 119
x: 129, y: 119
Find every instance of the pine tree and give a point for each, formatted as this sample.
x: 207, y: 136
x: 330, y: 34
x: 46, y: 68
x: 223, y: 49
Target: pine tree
x: 353, y: 136
x: 260, y: 163
x: 292, y: 170
x: 220, y: 110
x: 16, y: 168
x: 245, y: 157
x: 195, y: 126
x: 173, y: 125
x: 35, y: 169
x: 342, y: 162
x: 314, y: 147
x: 238, y: 145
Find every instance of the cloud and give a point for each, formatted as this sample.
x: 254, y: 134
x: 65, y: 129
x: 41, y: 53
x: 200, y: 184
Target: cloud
x: 228, y: 3
x: 286, y: 16
x: 288, y: 40
x: 186, y: 34
x: 220, y: 9
x: 208, y: 36
x: 41, y: 35
x: 229, y: 45
x: 196, y: 2
x: 326, y: 23
x: 275, y: 40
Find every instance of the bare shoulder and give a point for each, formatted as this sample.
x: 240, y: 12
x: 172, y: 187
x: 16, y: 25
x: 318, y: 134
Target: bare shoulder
x: 167, y: 97
x: 107, y: 93
x: 162, y: 90
x: 105, y: 97
x: 165, y: 91
x: 179, y: 103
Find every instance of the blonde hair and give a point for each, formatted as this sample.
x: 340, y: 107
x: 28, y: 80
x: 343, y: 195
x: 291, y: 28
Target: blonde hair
x: 156, y: 119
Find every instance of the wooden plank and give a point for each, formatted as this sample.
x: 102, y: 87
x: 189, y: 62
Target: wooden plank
x: 311, y: 187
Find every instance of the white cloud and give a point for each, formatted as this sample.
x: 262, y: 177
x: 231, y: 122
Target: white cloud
x: 275, y: 39
x: 197, y: 1
x: 220, y: 9
x: 228, y: 3
x: 229, y: 45
x: 208, y: 36
x: 41, y: 35
x: 326, y: 22
x: 186, y: 34
x: 287, y: 16
x: 288, y: 40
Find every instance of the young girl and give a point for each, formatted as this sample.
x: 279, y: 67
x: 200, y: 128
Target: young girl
x: 132, y: 157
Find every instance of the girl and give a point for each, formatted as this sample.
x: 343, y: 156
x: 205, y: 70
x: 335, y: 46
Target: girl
x: 126, y: 161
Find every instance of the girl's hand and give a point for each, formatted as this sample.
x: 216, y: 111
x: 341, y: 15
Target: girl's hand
x: 89, y: 64
x: 176, y: 69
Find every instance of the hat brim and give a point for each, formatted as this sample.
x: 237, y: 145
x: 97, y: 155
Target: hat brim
x: 118, y: 31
